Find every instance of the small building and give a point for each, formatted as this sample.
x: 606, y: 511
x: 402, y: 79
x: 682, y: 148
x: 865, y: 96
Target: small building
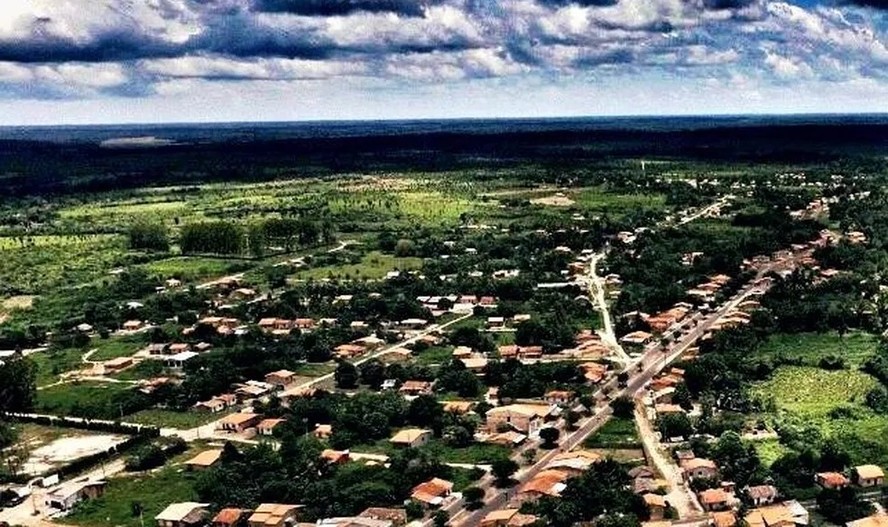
x: 273, y: 515
x: 656, y: 506
x: 335, y: 457
x: 185, y: 514
x: 575, y: 462
x: 558, y: 397
x: 177, y: 361
x: 715, y: 500
x: 204, y: 460
x: 65, y: 497
x: 637, y: 339
x: 508, y: 518
x: 868, y: 476
x: 117, y: 365
x: 545, y: 483
x: 238, y: 422
x: 876, y: 520
x: 698, y: 468
x: 266, y: 427
x: 323, y: 431
x: 411, y: 438
x: 415, y: 388
x: 831, y: 480
x: 230, y: 517
x: 133, y: 325
x: 179, y: 347
x: 280, y: 378
x: 432, y: 493
x: 524, y: 418
x: 761, y: 494
x: 397, y: 517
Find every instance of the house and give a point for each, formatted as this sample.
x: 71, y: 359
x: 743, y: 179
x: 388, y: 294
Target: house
x: 432, y: 492
x: 462, y: 352
x: 411, y: 438
x: 179, y: 347
x: 243, y: 293
x: 201, y: 347
x: 656, y: 506
x: 637, y: 339
x: 715, y: 500
x: 507, y: 439
x: 698, y: 468
x: 132, y: 325
x: 558, y: 397
x: 65, y: 497
x: 761, y: 494
x: 398, y: 517
x: 594, y: 372
x: 496, y: 322
x: 524, y: 418
x: 204, y: 460
x: 117, y: 365
x: 831, y: 480
x: 230, y: 517
x: 238, y: 422
x: 458, y: 407
x: 185, y: 514
x: 574, y: 462
x: 475, y: 364
x: 304, y: 324
x: 348, y: 351
x: 216, y: 404
x: 876, y: 520
x: 723, y: 519
x: 266, y: 426
x: 868, y: 476
x: 335, y: 457
x: 273, y: 515
x: 415, y: 388
x: 507, y: 518
x: 413, y: 323
x: 280, y: 378
x: 177, y: 361
x: 786, y: 514
x: 545, y: 483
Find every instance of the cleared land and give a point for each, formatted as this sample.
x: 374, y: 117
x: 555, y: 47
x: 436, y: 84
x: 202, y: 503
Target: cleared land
x: 808, y: 348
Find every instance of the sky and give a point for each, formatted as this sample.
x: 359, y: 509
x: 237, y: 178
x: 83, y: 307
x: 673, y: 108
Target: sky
x: 140, y: 61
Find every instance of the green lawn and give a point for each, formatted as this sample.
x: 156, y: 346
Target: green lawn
x: 474, y: 454
x: 153, y: 491
x: 114, y: 347
x: 314, y: 369
x: 172, y: 418
x: 53, y: 362
x: 809, y: 348
x: 192, y: 268
x: 813, y: 391
x: 434, y: 355
x: 617, y: 433
x: 373, y: 265
x: 72, y: 398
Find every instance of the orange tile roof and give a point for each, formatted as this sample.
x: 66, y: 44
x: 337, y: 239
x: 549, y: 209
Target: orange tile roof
x: 229, y: 516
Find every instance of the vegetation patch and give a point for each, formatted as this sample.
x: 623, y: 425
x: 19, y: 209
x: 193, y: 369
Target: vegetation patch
x: 616, y: 433
x: 813, y: 391
x: 809, y: 348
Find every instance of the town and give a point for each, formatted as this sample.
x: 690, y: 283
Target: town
x: 680, y: 351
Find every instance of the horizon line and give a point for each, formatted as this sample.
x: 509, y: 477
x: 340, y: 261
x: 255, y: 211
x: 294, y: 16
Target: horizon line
x: 713, y: 116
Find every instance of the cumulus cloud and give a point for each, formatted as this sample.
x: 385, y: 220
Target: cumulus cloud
x: 163, y: 46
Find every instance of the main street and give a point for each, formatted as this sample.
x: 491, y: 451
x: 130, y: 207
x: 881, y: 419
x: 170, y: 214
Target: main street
x: 654, y: 360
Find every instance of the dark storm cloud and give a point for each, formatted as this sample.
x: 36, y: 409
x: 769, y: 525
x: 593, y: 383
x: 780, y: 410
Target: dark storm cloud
x: 877, y: 4
x: 582, y: 3
x: 340, y: 7
x: 727, y: 4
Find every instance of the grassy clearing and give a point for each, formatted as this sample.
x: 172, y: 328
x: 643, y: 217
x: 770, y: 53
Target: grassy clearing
x: 809, y: 348
x: 373, y: 266
x: 474, y: 454
x: 45, y: 263
x: 153, y: 491
x: 812, y: 391
x: 173, y: 419
x: 190, y: 269
x: 617, y: 433
x: 114, y: 347
x: 314, y: 369
x: 434, y: 355
x: 601, y: 202
x: 53, y: 362
x: 68, y: 399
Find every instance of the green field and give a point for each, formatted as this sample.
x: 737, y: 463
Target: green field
x: 809, y: 348
x: 173, y: 419
x: 67, y: 399
x: 373, y: 266
x: 769, y: 450
x: 814, y: 392
x: 434, y: 355
x: 114, y: 347
x: 53, y: 362
x: 616, y: 433
x: 476, y: 453
x: 193, y: 268
x: 153, y: 492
